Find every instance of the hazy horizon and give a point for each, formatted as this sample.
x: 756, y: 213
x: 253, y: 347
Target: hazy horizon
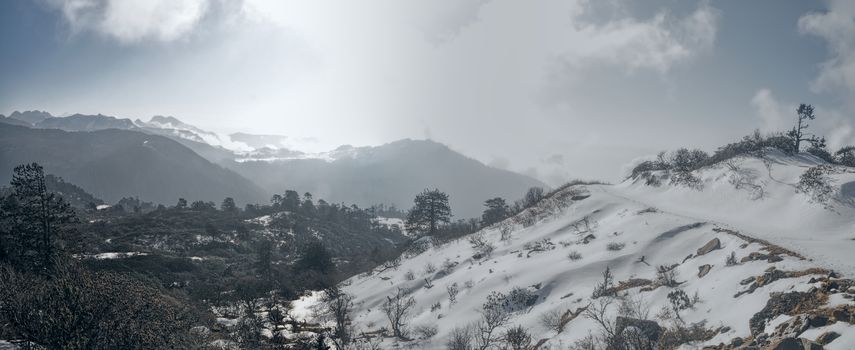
x: 553, y: 89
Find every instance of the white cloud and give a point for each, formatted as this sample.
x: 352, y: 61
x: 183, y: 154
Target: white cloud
x: 777, y: 116
x: 657, y: 43
x: 472, y: 72
x: 837, y: 27
x: 133, y: 21
x: 774, y: 116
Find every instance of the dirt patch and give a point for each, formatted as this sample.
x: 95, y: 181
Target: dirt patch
x: 772, y: 249
x: 772, y: 274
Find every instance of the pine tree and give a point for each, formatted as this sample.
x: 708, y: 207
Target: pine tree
x: 33, y: 219
x: 229, y: 205
x: 797, y: 134
x: 497, y: 210
x: 430, y: 211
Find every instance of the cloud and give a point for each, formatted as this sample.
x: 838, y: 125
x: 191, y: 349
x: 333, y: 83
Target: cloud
x: 837, y: 27
x: 777, y: 116
x: 657, y: 43
x: 774, y: 116
x: 133, y: 21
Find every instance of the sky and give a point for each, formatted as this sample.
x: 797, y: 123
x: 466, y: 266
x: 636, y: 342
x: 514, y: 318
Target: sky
x: 554, y: 89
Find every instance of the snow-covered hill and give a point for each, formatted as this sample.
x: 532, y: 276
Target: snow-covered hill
x: 778, y: 284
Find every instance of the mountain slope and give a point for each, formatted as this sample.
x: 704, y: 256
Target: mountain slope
x: 116, y: 163
x: 82, y: 122
x: 559, y: 250
x: 392, y: 174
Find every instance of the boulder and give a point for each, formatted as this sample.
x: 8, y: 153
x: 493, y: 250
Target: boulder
x: 793, y: 344
x: 827, y: 337
x: 710, y: 246
x: 650, y: 329
x: 818, y: 321
x: 703, y: 270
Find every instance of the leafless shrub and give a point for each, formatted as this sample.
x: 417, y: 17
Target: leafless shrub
x: 452, y: 290
x: 680, y: 334
x: 479, y: 243
x: 425, y: 331
x: 460, y: 339
x: 556, y: 319
x: 448, y: 265
x: 731, y: 260
x: 516, y: 338
x: 397, y: 309
x: 436, y: 306
x: 589, y: 342
x: 505, y: 229
x: 634, y: 307
x: 667, y: 276
x: 606, y: 286
x: 745, y: 179
x: 339, y: 306
x: 574, y: 255
x: 430, y: 268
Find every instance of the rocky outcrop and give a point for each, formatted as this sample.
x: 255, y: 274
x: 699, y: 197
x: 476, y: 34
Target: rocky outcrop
x: 649, y: 329
x: 793, y: 344
x: 714, y: 244
x: 827, y: 337
x: 703, y: 270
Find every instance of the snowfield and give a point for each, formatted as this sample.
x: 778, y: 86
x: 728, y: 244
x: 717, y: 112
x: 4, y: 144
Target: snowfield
x: 781, y: 241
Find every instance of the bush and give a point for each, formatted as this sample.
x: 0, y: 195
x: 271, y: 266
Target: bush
x: 574, y: 255
x: 614, y: 246
x: 517, y: 299
x: 517, y: 338
x: 80, y: 309
x: 815, y: 183
x: 845, y: 156
x: 425, y: 331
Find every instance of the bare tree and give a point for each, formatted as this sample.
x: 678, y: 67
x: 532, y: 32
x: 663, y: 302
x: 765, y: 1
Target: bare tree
x: 460, y: 339
x: 397, y: 309
x: 605, y: 287
x: 492, y: 318
x: 339, y: 305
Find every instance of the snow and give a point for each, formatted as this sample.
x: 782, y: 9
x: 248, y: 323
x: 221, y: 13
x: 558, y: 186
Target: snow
x: 684, y: 221
x: 103, y: 206
x: 119, y: 255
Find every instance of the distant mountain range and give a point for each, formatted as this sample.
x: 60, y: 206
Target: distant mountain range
x: 112, y: 164
x: 258, y: 165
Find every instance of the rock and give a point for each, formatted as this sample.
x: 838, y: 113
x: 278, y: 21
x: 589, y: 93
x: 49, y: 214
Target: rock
x: 818, y: 321
x: 703, y: 270
x: 809, y: 345
x: 779, y: 304
x: 793, y: 327
x: 793, y: 344
x: 841, y: 315
x: 588, y: 238
x: 650, y: 329
x: 710, y: 246
x: 827, y: 337
x: 736, y: 342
